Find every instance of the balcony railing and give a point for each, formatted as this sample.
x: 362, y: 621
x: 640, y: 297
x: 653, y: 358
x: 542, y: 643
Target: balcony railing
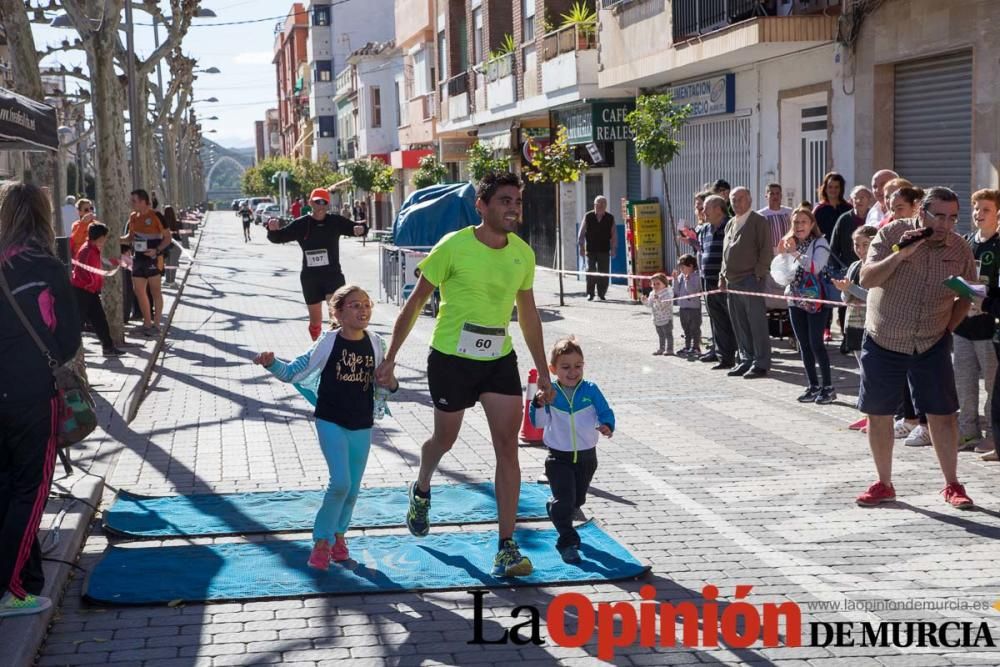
x: 458, y: 84
x: 565, y: 40
x: 698, y: 17
x: 428, y: 105
x: 498, y: 68
x: 345, y: 82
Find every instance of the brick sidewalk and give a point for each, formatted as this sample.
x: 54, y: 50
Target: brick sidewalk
x: 709, y: 479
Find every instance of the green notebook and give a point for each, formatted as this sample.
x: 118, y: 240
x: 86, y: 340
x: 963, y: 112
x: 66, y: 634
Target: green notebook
x: 961, y: 287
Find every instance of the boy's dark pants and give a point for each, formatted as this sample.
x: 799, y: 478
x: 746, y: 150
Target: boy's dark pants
x: 569, y: 483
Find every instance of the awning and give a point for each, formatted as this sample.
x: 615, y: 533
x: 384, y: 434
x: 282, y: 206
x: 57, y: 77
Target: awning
x: 496, y: 136
x: 408, y: 159
x: 26, y: 125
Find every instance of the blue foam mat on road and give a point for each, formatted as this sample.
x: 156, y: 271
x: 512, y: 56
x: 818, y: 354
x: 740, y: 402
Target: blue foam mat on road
x: 129, y: 575
x: 289, y: 511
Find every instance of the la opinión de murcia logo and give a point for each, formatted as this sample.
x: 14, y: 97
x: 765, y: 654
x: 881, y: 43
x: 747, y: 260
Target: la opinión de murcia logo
x: 707, y: 623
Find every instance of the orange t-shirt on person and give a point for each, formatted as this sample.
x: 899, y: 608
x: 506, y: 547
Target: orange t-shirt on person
x: 148, y: 228
x: 78, y: 236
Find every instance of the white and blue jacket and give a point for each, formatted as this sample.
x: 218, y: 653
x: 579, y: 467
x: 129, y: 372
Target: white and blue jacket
x: 571, y: 421
x: 305, y: 371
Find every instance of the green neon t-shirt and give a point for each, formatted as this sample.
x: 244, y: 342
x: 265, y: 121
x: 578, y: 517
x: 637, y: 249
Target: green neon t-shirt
x: 478, y: 287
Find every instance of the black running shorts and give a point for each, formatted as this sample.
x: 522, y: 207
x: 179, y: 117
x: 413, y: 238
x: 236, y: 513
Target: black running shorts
x: 317, y: 285
x: 456, y: 383
x: 144, y: 267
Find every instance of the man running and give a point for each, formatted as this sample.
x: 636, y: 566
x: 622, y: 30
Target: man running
x: 318, y: 234
x: 247, y: 216
x: 481, y: 272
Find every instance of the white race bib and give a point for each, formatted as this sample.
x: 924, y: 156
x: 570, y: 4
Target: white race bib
x: 481, y: 342
x: 140, y: 245
x: 315, y: 258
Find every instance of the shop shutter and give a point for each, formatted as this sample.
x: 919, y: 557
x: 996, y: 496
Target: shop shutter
x: 932, y: 128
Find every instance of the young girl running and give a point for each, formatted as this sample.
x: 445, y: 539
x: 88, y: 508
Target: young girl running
x: 573, y: 424
x: 337, y: 376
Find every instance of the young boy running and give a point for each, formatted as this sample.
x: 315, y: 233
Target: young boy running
x: 481, y: 272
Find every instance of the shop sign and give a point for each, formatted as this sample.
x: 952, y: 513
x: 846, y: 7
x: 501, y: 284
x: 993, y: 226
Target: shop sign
x: 707, y: 97
x: 599, y: 121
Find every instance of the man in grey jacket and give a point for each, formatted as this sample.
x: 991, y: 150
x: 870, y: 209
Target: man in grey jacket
x: 746, y: 261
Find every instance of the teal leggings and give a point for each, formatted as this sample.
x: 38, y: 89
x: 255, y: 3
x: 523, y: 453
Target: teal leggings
x: 346, y: 454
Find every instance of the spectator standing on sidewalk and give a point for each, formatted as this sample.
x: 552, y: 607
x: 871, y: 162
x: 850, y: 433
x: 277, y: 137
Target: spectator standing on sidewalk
x: 746, y: 262
x: 974, y: 354
x: 28, y: 399
x: 811, y: 252
x: 911, y: 316
x: 779, y: 217
x: 687, y: 282
x: 711, y: 239
x: 173, y: 253
x: 78, y: 234
x: 598, y: 243
x: 87, y: 287
x: 880, y: 208
x: 296, y: 208
x: 149, y: 239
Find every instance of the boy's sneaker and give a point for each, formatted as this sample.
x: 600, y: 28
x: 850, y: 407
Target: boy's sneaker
x: 902, y: 428
x: 416, y: 517
x: 11, y: 605
x: 570, y: 554
x: 509, y: 562
x: 919, y: 437
x: 809, y: 395
x: 657, y: 353
x: 319, y: 559
x: 954, y: 495
x: 339, y: 552
x: 826, y: 395
x: 877, y: 493
x: 112, y: 351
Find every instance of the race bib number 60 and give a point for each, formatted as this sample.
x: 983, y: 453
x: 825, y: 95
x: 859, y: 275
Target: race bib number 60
x: 481, y: 342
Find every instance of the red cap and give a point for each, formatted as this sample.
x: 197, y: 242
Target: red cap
x: 320, y: 193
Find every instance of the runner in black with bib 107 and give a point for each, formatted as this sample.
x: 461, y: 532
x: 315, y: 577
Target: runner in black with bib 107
x: 318, y: 234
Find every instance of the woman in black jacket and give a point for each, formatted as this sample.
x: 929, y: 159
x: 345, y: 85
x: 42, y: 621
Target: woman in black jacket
x: 28, y: 423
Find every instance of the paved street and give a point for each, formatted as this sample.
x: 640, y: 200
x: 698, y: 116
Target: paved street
x: 710, y: 480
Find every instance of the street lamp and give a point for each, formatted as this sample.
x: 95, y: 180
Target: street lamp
x: 210, y: 70
x: 210, y: 99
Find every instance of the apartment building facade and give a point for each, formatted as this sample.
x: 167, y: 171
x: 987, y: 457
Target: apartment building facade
x: 295, y: 126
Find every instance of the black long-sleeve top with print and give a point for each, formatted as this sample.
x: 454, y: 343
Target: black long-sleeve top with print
x: 315, y: 236
x: 40, y: 284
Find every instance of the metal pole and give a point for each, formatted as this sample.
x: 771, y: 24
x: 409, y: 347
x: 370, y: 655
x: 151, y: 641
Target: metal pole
x: 156, y: 45
x: 133, y: 114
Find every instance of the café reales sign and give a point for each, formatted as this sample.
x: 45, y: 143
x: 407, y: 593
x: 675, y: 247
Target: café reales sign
x: 597, y: 121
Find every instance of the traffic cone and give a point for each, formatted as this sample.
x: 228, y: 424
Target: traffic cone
x: 530, y: 434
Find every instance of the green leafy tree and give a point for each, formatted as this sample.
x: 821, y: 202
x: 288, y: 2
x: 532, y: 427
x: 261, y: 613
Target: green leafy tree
x: 431, y: 172
x: 482, y: 161
x: 556, y: 163
x: 256, y: 181
x: 309, y: 175
x: 371, y: 175
x: 655, y: 124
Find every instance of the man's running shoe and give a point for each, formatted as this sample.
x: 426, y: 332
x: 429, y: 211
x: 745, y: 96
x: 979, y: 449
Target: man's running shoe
x: 11, y: 605
x: 416, y: 517
x: 954, y: 495
x: 510, y: 563
x: 877, y: 493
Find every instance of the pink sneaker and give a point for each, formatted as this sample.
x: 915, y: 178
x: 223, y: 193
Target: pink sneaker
x: 860, y: 424
x: 877, y: 493
x: 319, y: 559
x: 339, y: 553
x: 954, y: 495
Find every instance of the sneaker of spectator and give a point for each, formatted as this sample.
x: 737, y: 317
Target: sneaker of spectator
x: 968, y: 442
x: 985, y: 445
x: 902, y: 428
x: 919, y: 437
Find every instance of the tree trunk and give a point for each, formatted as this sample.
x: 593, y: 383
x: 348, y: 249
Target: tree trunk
x: 670, y: 214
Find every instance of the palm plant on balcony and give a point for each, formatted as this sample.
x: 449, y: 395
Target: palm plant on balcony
x: 584, y: 19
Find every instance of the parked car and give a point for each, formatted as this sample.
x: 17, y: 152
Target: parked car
x: 267, y: 211
x: 253, y: 201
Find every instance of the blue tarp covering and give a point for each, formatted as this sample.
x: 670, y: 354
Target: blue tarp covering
x: 277, y: 511
x: 430, y: 213
x: 379, y: 564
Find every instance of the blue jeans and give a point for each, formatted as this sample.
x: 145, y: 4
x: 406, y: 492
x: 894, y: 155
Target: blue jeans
x: 346, y: 454
x: 808, y: 328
